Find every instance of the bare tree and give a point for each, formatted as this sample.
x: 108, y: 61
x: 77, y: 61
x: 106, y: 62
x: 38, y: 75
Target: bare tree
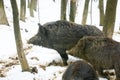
x: 63, y: 9
x: 28, y: 4
x: 85, y: 12
x: 109, y: 19
x: 35, y: 5
x: 17, y: 34
x: 23, y: 10
x: 3, y: 18
x: 91, y: 11
x: 32, y: 8
x: 72, y: 10
x: 101, y: 9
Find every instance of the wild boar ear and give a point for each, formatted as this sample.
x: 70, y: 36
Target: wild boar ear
x: 41, y: 30
x: 81, y: 45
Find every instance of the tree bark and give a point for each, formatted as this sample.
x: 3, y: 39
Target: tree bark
x: 85, y: 12
x: 28, y: 4
x: 23, y: 10
x: 101, y: 9
x: 63, y: 9
x: 3, y: 18
x: 109, y: 19
x: 35, y: 5
x: 72, y: 10
x: 32, y: 8
x: 18, y: 40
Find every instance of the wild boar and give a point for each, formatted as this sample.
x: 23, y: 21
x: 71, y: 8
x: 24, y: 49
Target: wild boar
x: 62, y: 35
x: 80, y: 70
x: 102, y: 52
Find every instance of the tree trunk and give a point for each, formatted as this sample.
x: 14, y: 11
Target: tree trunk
x: 91, y: 11
x: 3, y: 18
x: 28, y: 4
x: 101, y: 8
x: 72, y: 10
x: 23, y: 10
x: 32, y: 8
x: 35, y: 5
x: 109, y: 19
x: 17, y: 34
x: 85, y: 12
x: 63, y: 9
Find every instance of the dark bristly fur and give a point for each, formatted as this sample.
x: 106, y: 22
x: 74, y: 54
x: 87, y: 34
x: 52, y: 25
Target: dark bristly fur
x: 62, y: 35
x: 101, y: 52
x: 80, y: 70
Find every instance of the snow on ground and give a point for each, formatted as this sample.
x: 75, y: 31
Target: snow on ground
x: 47, y: 61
